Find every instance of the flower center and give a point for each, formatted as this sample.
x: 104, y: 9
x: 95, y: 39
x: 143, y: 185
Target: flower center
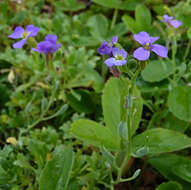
x: 110, y: 44
x: 25, y: 34
x: 147, y: 46
x: 119, y: 57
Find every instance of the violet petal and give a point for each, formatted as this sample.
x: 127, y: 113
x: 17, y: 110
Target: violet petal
x: 120, y: 62
x: 110, y: 62
x: 141, y: 54
x: 114, y: 40
x: 32, y: 30
x: 153, y: 39
x: 123, y: 53
x: 167, y: 18
x: 161, y: 51
x: 116, y: 51
x: 19, y: 44
x: 142, y: 37
x: 176, y: 23
x: 52, y: 38
x: 17, y: 33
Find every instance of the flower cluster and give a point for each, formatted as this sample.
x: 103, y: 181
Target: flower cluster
x: 48, y: 46
x: 170, y: 21
x: 117, y: 56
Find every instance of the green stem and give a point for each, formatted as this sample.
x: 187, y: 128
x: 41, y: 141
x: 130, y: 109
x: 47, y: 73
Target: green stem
x: 187, y: 50
x: 174, y: 50
x: 129, y: 123
x: 41, y: 118
x: 114, y: 18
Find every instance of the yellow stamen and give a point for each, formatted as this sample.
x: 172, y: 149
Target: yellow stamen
x: 110, y: 44
x: 25, y: 34
x: 119, y: 57
x: 147, y: 46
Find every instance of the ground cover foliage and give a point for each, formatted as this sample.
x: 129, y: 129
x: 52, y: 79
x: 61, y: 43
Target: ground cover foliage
x: 89, y: 100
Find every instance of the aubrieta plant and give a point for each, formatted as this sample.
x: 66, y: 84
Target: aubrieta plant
x: 125, y: 106
x: 93, y: 109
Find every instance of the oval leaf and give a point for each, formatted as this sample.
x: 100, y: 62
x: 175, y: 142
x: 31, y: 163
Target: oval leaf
x: 157, y: 70
x: 160, y: 140
x: 143, y: 17
x: 173, y: 167
x: 117, y: 4
x: 113, y: 102
x: 56, y: 174
x: 169, y: 185
x: 94, y: 133
x: 179, y: 101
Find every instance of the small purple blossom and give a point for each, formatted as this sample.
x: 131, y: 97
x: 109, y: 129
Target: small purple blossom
x: 118, y: 59
x: 143, y: 53
x: 106, y: 48
x: 170, y: 21
x: 19, y: 32
x: 47, y: 46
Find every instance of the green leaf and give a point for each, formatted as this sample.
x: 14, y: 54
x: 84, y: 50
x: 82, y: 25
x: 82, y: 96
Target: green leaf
x: 39, y: 150
x: 179, y: 101
x: 143, y: 17
x: 189, y: 32
x: 118, y: 4
x: 70, y: 5
x: 22, y: 162
x: 147, y: 87
x: 131, y: 24
x: 82, y: 104
x: 157, y: 70
x: 98, y: 26
x: 113, y: 102
x: 56, y: 174
x: 95, y: 134
x: 108, y: 3
x: 167, y: 120
x: 160, y: 140
x: 118, y: 30
x: 169, y: 185
x: 173, y: 167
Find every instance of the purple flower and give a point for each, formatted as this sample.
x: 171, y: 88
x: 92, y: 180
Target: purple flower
x: 47, y: 46
x: 106, y: 48
x: 118, y: 59
x: 19, y: 32
x: 143, y: 53
x: 169, y: 20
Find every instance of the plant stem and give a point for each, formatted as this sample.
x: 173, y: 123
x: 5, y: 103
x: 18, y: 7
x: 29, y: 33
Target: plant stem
x: 41, y: 118
x: 114, y: 18
x: 187, y: 50
x: 174, y: 50
x: 129, y: 123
